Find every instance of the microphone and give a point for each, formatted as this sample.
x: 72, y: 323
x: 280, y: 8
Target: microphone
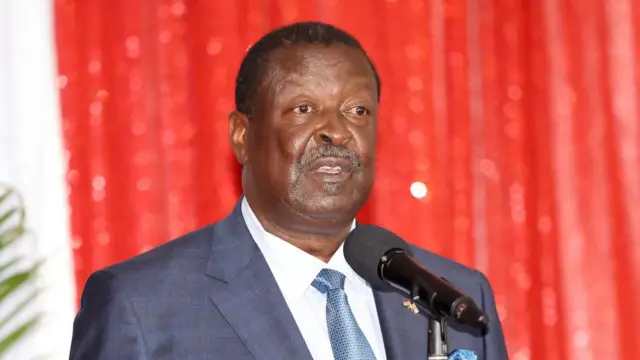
x: 384, y: 260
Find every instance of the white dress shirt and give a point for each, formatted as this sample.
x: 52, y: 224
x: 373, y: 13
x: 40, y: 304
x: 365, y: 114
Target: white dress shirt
x: 295, y: 270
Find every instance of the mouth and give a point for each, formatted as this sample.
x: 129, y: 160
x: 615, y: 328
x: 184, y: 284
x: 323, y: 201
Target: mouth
x: 331, y: 169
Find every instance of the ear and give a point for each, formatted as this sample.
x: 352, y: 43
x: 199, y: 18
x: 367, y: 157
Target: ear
x: 238, y: 131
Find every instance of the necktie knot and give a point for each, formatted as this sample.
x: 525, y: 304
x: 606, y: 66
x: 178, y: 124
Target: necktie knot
x: 328, y: 280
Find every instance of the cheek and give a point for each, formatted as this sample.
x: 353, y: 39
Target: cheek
x: 290, y: 147
x: 270, y: 155
x: 366, y: 141
x: 284, y: 151
x: 292, y: 143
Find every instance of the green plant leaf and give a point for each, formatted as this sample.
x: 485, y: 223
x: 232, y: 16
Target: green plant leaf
x: 17, y: 309
x: 16, y: 209
x: 12, y: 338
x: 13, y: 277
x: 12, y: 283
x: 8, y: 214
x: 5, y: 194
x: 7, y: 265
x: 9, y: 236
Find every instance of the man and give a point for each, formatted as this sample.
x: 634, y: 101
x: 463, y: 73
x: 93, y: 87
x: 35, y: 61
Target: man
x: 270, y: 281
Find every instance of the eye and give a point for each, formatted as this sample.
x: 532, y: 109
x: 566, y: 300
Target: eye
x: 359, y: 111
x: 303, y: 109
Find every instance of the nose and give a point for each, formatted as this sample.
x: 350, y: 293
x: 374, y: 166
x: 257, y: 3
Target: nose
x: 333, y: 130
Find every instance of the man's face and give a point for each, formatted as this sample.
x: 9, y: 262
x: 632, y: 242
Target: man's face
x: 310, y: 146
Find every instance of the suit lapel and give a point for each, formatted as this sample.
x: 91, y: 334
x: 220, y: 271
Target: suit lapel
x: 246, y: 293
x: 405, y: 334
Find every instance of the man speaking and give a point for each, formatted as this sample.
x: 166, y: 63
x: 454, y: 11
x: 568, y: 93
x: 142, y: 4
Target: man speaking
x: 271, y: 282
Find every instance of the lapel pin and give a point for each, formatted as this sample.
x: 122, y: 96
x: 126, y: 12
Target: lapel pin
x: 411, y: 306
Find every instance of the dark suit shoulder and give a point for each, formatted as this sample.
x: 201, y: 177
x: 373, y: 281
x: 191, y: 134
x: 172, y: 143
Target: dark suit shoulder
x: 129, y: 308
x: 171, y: 261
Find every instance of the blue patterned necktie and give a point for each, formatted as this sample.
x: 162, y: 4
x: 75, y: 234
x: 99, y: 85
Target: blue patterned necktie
x: 347, y: 340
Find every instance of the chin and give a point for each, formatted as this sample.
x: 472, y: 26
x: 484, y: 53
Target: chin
x: 330, y: 206
x: 336, y: 201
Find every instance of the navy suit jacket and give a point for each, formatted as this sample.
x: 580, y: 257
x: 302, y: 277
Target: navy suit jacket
x: 210, y: 295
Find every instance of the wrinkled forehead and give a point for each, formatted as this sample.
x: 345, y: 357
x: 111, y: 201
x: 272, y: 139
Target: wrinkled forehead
x: 312, y: 64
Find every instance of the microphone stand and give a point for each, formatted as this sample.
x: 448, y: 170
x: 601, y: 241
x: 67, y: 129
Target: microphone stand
x: 437, y: 341
x: 437, y: 337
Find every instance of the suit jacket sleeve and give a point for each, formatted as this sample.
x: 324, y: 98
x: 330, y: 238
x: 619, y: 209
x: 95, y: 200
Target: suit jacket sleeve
x: 106, y: 327
x: 494, y: 343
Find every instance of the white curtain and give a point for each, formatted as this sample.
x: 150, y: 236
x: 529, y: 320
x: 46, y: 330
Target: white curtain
x: 32, y: 160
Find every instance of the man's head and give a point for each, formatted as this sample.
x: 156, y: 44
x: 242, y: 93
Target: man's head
x: 304, y: 128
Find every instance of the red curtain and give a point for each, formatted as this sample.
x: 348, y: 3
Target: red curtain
x: 509, y: 140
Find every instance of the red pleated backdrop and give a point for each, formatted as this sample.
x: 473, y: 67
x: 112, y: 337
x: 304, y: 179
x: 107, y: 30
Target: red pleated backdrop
x: 509, y: 140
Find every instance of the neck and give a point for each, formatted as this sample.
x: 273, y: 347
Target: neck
x: 320, y: 245
x: 317, y: 238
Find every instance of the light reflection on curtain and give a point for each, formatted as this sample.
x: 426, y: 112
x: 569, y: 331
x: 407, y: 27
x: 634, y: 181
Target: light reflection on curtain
x: 509, y: 141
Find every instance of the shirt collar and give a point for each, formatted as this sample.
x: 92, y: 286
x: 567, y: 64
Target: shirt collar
x: 294, y: 269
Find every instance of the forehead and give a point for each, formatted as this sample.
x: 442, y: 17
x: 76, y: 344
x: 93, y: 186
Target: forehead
x: 310, y: 63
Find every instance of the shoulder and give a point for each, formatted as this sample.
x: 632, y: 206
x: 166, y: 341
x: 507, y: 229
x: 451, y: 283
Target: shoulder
x: 167, y: 263
x: 184, y: 252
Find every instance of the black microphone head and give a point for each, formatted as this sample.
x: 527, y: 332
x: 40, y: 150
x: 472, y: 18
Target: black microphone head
x: 364, y: 248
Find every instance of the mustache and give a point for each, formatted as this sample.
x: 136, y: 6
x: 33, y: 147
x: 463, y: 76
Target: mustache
x: 324, y: 151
